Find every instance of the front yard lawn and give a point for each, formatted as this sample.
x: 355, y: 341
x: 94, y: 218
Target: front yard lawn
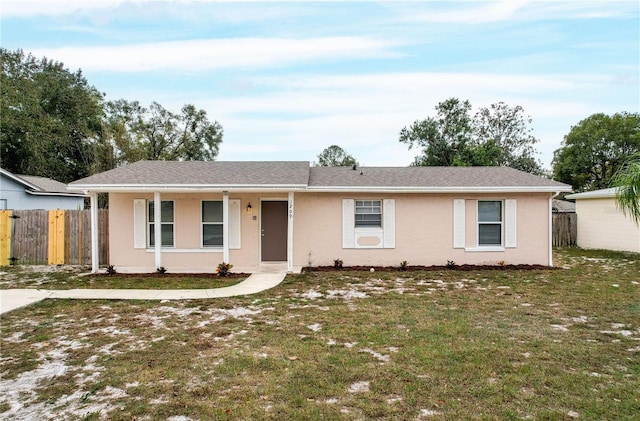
x: 536, y: 344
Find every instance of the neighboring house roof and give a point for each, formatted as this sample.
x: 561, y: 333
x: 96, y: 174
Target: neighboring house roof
x: 41, y: 186
x: 595, y: 194
x: 298, y: 175
x: 563, y: 206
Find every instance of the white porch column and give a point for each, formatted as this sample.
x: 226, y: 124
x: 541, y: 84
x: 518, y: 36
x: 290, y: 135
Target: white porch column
x: 290, y: 233
x: 95, y: 251
x: 551, y: 230
x: 225, y: 226
x: 157, y: 227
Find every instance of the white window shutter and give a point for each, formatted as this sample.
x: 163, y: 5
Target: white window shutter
x: 459, y: 223
x: 510, y: 223
x: 139, y: 223
x: 234, y: 224
x: 348, y: 223
x: 389, y: 224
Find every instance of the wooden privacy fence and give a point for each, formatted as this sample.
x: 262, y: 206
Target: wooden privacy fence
x: 565, y: 229
x: 55, y: 237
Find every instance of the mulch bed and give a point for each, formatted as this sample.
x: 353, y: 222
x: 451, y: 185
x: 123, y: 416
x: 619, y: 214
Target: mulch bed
x: 427, y: 268
x: 232, y: 275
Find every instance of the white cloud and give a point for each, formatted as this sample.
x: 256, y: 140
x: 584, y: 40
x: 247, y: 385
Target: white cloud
x: 483, y: 12
x: 207, y: 54
x: 23, y: 8
x: 364, y: 114
x: 470, y: 12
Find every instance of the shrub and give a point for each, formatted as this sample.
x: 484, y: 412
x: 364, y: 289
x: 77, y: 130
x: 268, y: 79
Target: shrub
x: 403, y: 265
x: 337, y: 264
x: 161, y: 270
x: 111, y: 270
x: 224, y: 269
x: 451, y: 264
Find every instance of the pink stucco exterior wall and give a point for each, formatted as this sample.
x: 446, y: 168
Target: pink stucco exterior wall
x: 424, y: 231
x: 423, y: 223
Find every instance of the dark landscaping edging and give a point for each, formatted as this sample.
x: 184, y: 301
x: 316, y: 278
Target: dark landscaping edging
x: 426, y: 268
x: 170, y: 275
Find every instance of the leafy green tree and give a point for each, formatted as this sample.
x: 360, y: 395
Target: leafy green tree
x: 627, y: 181
x: 135, y: 133
x: 504, y: 133
x: 50, y: 118
x: 444, y: 139
x: 495, y: 136
x: 595, y: 149
x: 335, y: 156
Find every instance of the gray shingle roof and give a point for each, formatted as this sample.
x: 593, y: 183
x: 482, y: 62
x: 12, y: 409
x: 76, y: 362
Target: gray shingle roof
x: 300, y: 175
x: 209, y: 173
x: 434, y: 177
x: 563, y: 206
x: 40, y: 185
x: 46, y: 184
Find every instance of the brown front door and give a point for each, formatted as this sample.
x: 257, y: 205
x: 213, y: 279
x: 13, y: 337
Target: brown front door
x: 274, y: 231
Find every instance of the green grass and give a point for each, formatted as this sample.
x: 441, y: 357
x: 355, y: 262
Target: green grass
x: 542, y: 344
x: 72, y: 277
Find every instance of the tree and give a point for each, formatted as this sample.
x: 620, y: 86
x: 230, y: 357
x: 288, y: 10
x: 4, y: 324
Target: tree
x: 135, y: 133
x: 503, y: 130
x: 595, y: 149
x: 495, y: 136
x: 50, y: 118
x: 335, y: 156
x: 444, y: 139
x: 627, y: 181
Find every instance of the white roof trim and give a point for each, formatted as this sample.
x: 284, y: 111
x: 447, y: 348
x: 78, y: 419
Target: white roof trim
x: 177, y: 188
x: 47, y: 193
x: 595, y: 194
x: 447, y: 189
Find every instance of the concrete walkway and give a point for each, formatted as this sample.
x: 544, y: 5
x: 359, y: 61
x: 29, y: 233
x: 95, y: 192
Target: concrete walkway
x: 11, y: 299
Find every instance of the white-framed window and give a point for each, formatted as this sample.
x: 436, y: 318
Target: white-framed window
x: 490, y: 223
x: 368, y: 224
x: 167, y: 219
x: 212, y: 223
x: 368, y: 213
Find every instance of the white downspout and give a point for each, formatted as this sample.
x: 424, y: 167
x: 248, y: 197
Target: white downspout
x: 157, y: 231
x: 290, y: 233
x: 95, y: 249
x: 225, y: 226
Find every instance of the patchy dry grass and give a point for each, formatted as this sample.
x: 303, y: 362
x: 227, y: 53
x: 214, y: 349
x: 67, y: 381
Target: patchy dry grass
x: 554, y: 344
x: 72, y: 277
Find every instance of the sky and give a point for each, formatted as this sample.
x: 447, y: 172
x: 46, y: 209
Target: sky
x: 288, y: 79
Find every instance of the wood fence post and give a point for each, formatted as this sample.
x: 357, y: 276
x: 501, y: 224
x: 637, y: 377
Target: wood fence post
x: 5, y: 237
x: 56, y: 237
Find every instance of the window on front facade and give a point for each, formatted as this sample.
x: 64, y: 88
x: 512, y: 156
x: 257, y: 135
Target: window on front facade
x: 212, y: 234
x: 368, y: 213
x: 490, y: 223
x: 166, y: 223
